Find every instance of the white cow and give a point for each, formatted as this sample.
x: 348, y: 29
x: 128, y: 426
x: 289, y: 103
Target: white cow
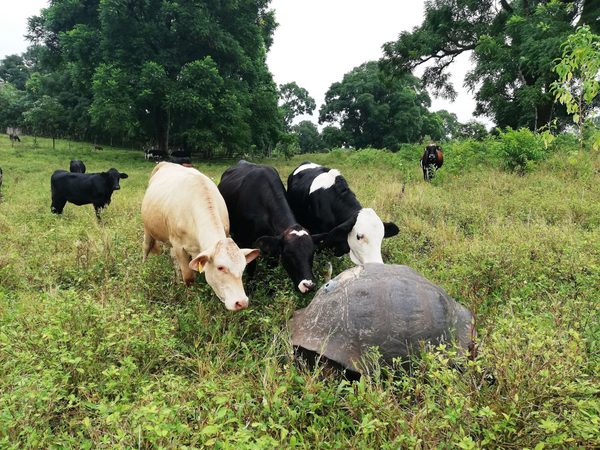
x: 184, y: 209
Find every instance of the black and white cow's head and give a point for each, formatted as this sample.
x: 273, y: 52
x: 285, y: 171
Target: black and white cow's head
x: 360, y: 236
x: 113, y: 176
x: 296, y: 248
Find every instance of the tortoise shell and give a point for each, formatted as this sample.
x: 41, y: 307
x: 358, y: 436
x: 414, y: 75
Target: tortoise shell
x: 390, y: 307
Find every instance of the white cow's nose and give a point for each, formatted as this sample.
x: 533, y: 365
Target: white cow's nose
x: 241, y: 304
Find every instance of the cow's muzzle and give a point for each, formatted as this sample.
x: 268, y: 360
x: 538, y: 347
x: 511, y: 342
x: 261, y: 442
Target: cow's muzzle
x: 306, y: 285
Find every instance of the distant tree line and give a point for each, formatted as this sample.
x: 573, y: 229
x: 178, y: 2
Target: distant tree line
x: 192, y: 74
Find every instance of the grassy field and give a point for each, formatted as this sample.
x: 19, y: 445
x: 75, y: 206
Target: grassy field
x: 98, y: 350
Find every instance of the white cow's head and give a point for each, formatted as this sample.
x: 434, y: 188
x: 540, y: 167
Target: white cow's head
x: 361, y: 236
x: 223, y: 266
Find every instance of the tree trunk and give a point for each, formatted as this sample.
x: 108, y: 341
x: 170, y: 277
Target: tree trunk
x: 543, y: 114
x: 53, y: 143
x: 168, y: 130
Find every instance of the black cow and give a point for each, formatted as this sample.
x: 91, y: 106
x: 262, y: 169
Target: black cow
x: 84, y: 188
x: 182, y: 157
x: 260, y: 216
x: 1, y: 176
x: 77, y: 166
x: 432, y: 160
x: 323, y: 203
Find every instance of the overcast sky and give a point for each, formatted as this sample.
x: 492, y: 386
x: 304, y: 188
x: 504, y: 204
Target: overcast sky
x: 316, y: 43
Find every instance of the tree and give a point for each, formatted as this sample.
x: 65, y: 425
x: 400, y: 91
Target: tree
x: 332, y: 137
x: 112, y: 107
x: 11, y: 106
x: 512, y: 43
x: 149, y: 49
x: 472, y: 130
x: 295, y: 101
x: 378, y: 112
x: 46, y: 116
x: 309, y: 138
x: 579, y: 75
x: 450, y: 124
x: 13, y: 70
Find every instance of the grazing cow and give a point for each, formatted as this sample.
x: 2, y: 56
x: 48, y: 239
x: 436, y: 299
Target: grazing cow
x: 182, y: 157
x: 83, y: 189
x: 432, y: 160
x: 184, y: 209
x: 323, y: 203
x: 98, y: 147
x: 154, y: 154
x: 14, y: 138
x: 185, y: 161
x: 1, y: 176
x: 76, y: 166
x: 260, y: 215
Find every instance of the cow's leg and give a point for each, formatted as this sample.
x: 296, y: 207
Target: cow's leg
x: 150, y: 245
x: 182, y: 261
x: 427, y: 173
x: 98, y: 209
x: 58, y: 204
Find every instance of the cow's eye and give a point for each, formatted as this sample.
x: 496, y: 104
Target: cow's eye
x: 221, y: 269
x: 359, y: 237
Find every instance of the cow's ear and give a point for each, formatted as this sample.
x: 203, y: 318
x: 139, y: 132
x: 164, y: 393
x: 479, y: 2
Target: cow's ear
x: 342, y: 230
x: 271, y: 245
x: 200, y: 261
x: 338, y: 237
x: 390, y: 229
x: 250, y: 254
x: 123, y: 175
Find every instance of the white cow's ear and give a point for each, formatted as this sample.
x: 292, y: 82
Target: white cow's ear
x: 199, y: 261
x: 250, y: 253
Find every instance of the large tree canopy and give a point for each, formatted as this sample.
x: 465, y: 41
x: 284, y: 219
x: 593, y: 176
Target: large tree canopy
x: 514, y: 44
x: 378, y: 112
x: 295, y: 101
x: 186, y: 72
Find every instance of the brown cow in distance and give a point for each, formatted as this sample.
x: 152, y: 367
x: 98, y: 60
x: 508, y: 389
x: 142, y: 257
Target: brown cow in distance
x: 432, y: 160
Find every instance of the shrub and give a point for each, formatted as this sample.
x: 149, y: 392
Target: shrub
x: 520, y: 149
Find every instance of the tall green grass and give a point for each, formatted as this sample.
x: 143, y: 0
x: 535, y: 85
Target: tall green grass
x: 99, y: 350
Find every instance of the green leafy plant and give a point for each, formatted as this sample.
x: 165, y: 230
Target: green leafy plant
x: 521, y: 149
x: 579, y: 75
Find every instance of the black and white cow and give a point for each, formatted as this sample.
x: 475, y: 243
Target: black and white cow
x: 77, y: 166
x: 84, y: 188
x: 323, y: 203
x: 260, y: 216
x: 432, y: 160
x: 154, y: 154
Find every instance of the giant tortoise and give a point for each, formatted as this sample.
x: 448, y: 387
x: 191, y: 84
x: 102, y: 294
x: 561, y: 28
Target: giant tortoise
x: 390, y: 307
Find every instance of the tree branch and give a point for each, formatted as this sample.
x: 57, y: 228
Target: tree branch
x: 506, y: 6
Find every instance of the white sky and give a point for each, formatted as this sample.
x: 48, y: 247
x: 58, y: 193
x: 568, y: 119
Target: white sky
x: 315, y: 44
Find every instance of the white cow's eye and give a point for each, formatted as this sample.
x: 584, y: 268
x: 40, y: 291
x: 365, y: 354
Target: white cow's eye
x: 221, y: 269
x: 360, y: 236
